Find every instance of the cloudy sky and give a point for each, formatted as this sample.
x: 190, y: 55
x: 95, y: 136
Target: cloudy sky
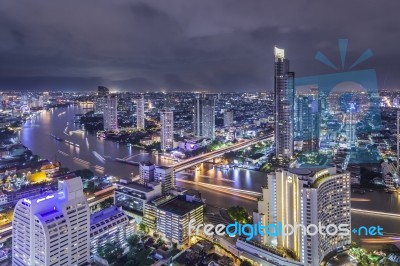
x: 185, y: 45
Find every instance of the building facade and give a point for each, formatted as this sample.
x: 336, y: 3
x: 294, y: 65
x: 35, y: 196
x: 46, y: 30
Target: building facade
x: 170, y: 215
x: 140, y: 112
x: 228, y: 118
x: 102, y: 93
x: 146, y: 172
x: 165, y: 176
x: 167, y: 129
x: 302, y: 196
x: 53, y: 228
x: 307, y: 119
x: 284, y: 104
x: 110, y: 225
x: 110, y: 117
x: 204, y: 116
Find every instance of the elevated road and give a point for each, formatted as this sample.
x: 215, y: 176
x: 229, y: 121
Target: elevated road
x: 180, y: 166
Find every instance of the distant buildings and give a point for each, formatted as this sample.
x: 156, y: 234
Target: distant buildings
x: 110, y: 225
x: 167, y: 129
x: 228, y: 118
x: 283, y: 108
x: 140, y: 112
x: 302, y: 196
x: 308, y: 119
x: 204, y: 116
x: 110, y: 116
x: 53, y: 228
x: 170, y: 215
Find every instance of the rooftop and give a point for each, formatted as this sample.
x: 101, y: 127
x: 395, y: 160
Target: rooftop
x: 135, y: 186
x: 180, y: 206
x: 104, y: 214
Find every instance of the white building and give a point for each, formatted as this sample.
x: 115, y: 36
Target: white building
x: 167, y: 129
x: 170, y: 215
x: 165, y: 176
x: 301, y: 196
x: 146, y: 172
x: 110, y: 225
x: 53, y: 228
x: 111, y: 113
x: 140, y: 112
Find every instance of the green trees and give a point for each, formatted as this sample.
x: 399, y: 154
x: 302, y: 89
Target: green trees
x: 106, y: 203
x: 245, y: 263
x: 111, y: 252
x: 239, y: 214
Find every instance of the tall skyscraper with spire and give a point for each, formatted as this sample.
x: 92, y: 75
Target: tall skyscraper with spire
x: 284, y: 104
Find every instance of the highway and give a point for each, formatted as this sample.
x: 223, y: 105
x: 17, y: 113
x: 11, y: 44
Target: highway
x: 180, y: 166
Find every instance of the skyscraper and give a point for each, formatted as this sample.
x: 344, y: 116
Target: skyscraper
x: 140, y: 112
x: 308, y: 197
x: 102, y: 93
x: 204, y: 116
x: 110, y: 116
x: 307, y: 118
x: 53, y: 228
x: 228, y: 118
x: 283, y: 108
x: 167, y: 128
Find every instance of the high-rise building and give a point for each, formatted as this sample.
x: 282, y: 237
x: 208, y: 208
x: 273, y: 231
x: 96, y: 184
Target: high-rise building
x: 102, y: 93
x: 110, y: 117
x: 146, y: 172
x: 170, y: 216
x: 307, y: 119
x: 204, y: 116
x: 140, y: 112
x: 398, y: 143
x: 167, y: 129
x: 284, y: 104
x: 309, y: 197
x: 228, y: 118
x: 166, y: 176
x: 110, y: 225
x: 350, y: 125
x: 53, y: 228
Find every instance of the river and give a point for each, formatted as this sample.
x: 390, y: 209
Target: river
x: 81, y: 149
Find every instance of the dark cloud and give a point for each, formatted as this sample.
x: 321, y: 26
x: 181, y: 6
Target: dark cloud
x: 180, y: 44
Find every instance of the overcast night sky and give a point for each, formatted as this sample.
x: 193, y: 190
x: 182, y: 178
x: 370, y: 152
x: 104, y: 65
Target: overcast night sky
x: 188, y: 45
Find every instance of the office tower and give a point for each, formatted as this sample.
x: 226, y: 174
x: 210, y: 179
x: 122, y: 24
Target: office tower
x: 110, y: 225
x: 102, y: 93
x: 165, y: 176
x: 350, y: 125
x: 170, y: 215
x: 167, y: 128
x: 308, y: 197
x: 307, y: 118
x: 146, y: 172
x: 204, y: 116
x: 140, y: 112
x: 283, y: 108
x: 228, y: 118
x: 398, y: 142
x: 110, y: 116
x: 53, y: 228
